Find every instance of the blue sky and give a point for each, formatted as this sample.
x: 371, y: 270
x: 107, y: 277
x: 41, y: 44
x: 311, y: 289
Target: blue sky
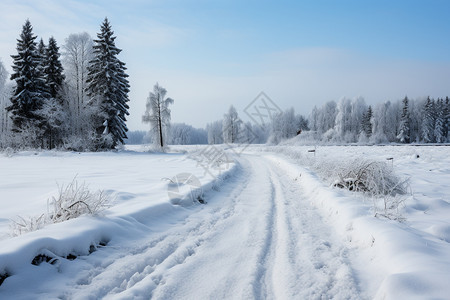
x: 211, y: 54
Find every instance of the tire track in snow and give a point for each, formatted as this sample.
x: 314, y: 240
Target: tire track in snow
x: 143, y: 267
x: 309, y: 257
x: 281, y: 274
x: 258, y: 238
x: 274, y: 246
x: 234, y: 250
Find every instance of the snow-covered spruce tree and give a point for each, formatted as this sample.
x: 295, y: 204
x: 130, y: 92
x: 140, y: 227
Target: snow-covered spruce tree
x: 428, y: 121
x: 368, y: 122
x: 107, y: 89
x: 30, y: 90
x: 157, y: 113
x: 230, y: 126
x: 439, y: 122
x: 447, y: 119
x: 415, y: 117
x: 53, y: 69
x: 41, y: 50
x: 52, y: 110
x: 404, y: 128
x: 42, y: 61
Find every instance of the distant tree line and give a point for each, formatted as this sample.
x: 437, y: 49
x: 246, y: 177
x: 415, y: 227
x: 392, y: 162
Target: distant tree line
x: 78, y: 103
x: 405, y: 121
x: 344, y: 121
x: 232, y: 130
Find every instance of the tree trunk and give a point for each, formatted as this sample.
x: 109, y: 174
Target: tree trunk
x: 160, y: 124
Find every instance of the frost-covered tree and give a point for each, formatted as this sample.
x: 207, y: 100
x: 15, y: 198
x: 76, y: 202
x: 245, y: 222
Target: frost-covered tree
x: 404, y: 128
x: 261, y: 133
x: 379, y: 123
x: 349, y: 118
x: 183, y: 134
x: 52, y: 111
x: 286, y: 125
x: 180, y: 134
x: 246, y: 133
x: 199, y: 136
x: 215, y: 133
x: 230, y: 126
x: 385, y: 122
x: 415, y: 117
x: 30, y: 90
x: 4, y: 101
x: 77, y: 53
x: 322, y: 119
x: 53, y: 114
x: 313, y: 119
x: 157, y: 114
x: 428, y: 121
x: 107, y: 88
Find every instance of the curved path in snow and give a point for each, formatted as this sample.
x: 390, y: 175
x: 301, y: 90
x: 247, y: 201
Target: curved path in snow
x: 257, y: 238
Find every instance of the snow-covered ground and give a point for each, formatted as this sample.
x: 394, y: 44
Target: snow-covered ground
x: 272, y: 228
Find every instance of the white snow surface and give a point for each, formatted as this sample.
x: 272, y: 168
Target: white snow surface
x: 271, y: 229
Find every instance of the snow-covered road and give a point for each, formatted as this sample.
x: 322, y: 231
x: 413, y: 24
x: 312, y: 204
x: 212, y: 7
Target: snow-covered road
x: 257, y: 238
x: 261, y: 239
x: 273, y: 228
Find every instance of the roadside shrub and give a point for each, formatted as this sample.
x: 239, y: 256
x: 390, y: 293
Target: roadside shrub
x: 75, y: 200
x: 373, y: 177
x: 72, y: 201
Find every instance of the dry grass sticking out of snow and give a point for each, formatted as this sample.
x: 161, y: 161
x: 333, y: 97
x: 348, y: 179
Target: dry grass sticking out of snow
x: 73, y: 200
x: 375, y: 179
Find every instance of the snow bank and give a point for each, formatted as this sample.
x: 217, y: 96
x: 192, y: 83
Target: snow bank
x: 409, y: 260
x: 132, y: 179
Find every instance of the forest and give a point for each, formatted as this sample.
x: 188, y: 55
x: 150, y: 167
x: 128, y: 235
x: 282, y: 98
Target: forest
x: 76, y: 99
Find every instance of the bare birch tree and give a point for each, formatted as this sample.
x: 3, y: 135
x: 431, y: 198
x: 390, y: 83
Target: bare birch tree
x: 158, y: 114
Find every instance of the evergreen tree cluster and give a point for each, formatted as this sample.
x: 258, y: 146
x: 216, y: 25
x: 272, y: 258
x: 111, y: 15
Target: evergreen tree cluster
x: 436, y: 120
x: 41, y: 108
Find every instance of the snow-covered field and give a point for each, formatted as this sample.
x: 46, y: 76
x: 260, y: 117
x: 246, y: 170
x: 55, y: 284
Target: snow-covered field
x: 272, y: 228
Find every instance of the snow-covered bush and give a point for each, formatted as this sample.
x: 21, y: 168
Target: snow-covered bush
x: 72, y: 201
x: 373, y: 177
x: 376, y: 179
x: 23, y: 225
x: 75, y: 200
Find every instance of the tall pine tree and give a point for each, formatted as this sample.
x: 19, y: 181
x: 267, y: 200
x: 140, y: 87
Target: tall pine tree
x: 428, y: 121
x: 439, y: 123
x: 53, y: 69
x: 42, y: 54
x: 446, y: 119
x: 404, y: 128
x: 107, y: 87
x: 30, y: 91
x: 366, y: 122
x: 52, y: 111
